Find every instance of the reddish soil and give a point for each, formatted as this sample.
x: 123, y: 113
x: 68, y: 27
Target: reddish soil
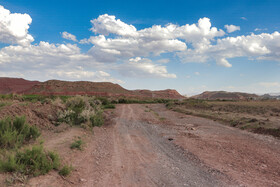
x: 250, y: 159
x: 37, y: 114
x: 148, y: 145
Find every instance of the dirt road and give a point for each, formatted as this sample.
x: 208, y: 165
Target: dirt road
x: 148, y: 145
x: 142, y: 157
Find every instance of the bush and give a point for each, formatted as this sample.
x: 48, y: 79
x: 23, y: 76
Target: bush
x: 34, y: 98
x: 2, y: 104
x: 14, y: 133
x: 33, y: 162
x: 104, y: 100
x: 66, y: 170
x: 97, y: 119
x: 7, y: 96
x: 64, y: 98
x: 83, y: 111
x: 111, y: 106
x: 77, y: 105
x: 77, y: 144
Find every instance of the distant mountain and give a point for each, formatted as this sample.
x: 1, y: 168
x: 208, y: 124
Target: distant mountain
x: 169, y: 93
x: 223, y: 95
x: 271, y: 96
x: 274, y: 94
x: 57, y: 87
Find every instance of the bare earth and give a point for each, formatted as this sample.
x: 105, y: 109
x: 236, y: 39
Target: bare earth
x: 148, y: 145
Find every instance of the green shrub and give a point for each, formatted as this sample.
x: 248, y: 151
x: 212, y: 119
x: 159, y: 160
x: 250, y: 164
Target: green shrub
x: 104, y: 100
x: 34, y: 98
x: 97, y: 119
x: 83, y: 111
x: 7, y: 96
x: 77, y: 105
x: 77, y: 144
x: 64, y: 98
x: 14, y: 133
x: 66, y: 170
x: 32, y: 162
x: 111, y: 106
x: 2, y: 104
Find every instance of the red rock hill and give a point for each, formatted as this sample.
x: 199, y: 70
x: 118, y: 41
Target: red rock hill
x: 220, y: 95
x: 57, y: 87
x: 15, y: 85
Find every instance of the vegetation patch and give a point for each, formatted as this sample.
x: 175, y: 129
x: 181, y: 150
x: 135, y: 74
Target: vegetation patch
x: 109, y: 106
x: 77, y: 144
x: 82, y: 111
x: 14, y: 133
x: 274, y: 132
x: 2, y: 104
x: 31, y: 162
x: 66, y: 170
x: 97, y: 120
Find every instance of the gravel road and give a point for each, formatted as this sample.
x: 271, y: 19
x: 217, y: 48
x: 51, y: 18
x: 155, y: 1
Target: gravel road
x: 141, y: 156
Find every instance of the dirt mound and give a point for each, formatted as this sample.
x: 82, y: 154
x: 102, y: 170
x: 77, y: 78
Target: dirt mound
x: 36, y: 113
x: 15, y: 85
x: 222, y: 95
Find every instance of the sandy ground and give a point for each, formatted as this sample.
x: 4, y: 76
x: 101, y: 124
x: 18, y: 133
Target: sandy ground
x: 148, y: 145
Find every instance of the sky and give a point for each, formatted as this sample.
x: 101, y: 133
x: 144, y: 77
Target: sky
x: 191, y: 46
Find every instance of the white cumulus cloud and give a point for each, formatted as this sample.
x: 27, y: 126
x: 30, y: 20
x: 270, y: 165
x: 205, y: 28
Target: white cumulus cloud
x: 14, y: 27
x: 106, y: 24
x: 69, y: 36
x: 143, y: 68
x: 263, y: 46
x: 232, y: 28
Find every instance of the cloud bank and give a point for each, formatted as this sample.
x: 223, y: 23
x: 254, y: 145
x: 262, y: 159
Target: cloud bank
x: 121, y: 49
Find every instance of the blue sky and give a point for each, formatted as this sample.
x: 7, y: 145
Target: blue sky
x: 183, y: 45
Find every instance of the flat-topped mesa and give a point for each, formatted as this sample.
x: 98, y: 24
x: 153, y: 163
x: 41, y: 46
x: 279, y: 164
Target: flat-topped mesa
x: 168, y: 94
x: 223, y: 95
x: 57, y: 87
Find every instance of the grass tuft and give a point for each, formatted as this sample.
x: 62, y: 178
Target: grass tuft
x: 66, y: 170
x: 77, y: 144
